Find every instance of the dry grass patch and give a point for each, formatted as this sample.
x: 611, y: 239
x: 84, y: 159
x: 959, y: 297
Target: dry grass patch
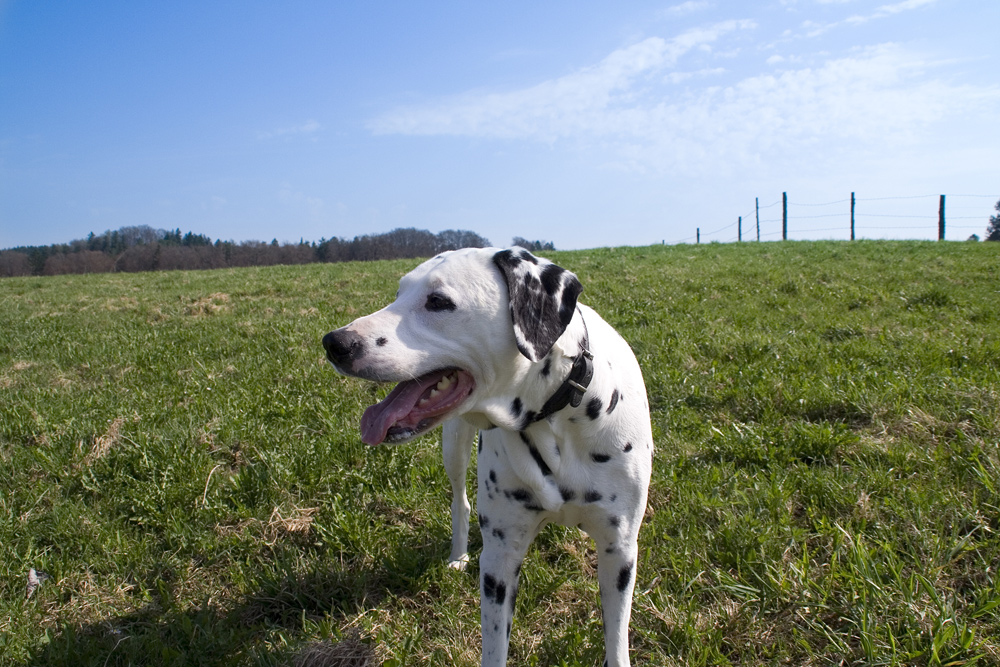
x: 109, y: 440
x: 295, y: 522
x: 350, y: 652
x: 124, y: 303
x: 209, y: 305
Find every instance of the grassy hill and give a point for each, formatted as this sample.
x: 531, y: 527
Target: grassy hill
x: 178, y: 458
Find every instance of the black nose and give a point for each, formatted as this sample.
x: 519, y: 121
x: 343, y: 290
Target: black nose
x: 343, y: 347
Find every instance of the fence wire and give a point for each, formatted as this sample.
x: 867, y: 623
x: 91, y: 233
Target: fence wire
x: 807, y: 221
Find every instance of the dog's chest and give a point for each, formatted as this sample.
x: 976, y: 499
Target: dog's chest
x: 575, y: 462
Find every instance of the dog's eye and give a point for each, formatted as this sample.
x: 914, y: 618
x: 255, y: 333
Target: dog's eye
x: 437, y: 302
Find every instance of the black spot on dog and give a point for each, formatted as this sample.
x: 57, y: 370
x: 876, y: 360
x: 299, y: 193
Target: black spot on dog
x: 567, y: 305
x: 610, y: 550
x: 513, y: 598
x: 594, y: 408
x: 551, y: 278
x: 508, y: 629
x: 499, y: 534
x: 624, y: 578
x: 495, y: 590
x: 528, y: 420
x: 493, y: 476
x: 483, y: 521
x: 547, y: 367
x: 592, y: 496
x: 539, y: 461
x: 567, y: 494
x: 628, y: 447
x: 528, y: 257
x: 479, y: 447
x: 615, y: 521
x: 613, y: 403
x: 613, y: 498
x: 381, y: 341
x: 600, y: 458
x: 515, y: 407
x: 520, y: 495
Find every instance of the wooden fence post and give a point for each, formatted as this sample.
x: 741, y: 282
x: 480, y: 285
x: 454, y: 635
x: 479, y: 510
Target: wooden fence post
x: 784, y: 216
x: 941, y: 220
x: 756, y: 207
x: 852, y: 216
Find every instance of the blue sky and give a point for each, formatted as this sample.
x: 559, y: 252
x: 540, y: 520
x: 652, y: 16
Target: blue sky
x: 584, y: 123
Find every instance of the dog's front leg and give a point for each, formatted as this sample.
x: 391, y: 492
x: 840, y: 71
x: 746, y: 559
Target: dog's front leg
x: 509, y: 520
x: 456, y: 443
x: 499, y: 567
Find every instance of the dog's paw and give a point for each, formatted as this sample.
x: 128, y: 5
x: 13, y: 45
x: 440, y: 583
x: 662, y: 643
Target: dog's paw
x: 459, y: 563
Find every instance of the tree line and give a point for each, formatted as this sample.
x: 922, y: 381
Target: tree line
x: 142, y: 248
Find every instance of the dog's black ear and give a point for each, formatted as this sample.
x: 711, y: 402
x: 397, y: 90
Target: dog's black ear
x: 542, y: 299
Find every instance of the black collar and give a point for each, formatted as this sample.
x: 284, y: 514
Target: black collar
x: 571, y: 391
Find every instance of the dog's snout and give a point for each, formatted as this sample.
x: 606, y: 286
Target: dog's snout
x: 343, y: 347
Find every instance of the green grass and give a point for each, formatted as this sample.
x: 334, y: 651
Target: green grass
x: 180, y: 460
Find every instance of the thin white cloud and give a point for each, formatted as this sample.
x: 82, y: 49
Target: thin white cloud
x: 876, y: 98
x: 815, y: 29
x: 678, y: 77
x: 686, y: 8
x: 296, y: 199
x: 309, y: 127
x: 882, y: 96
x: 889, y: 10
x: 578, y: 102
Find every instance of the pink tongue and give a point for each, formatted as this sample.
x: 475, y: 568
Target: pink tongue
x: 377, y: 420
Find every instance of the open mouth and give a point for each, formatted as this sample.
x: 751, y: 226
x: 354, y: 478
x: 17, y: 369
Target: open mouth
x: 416, y: 406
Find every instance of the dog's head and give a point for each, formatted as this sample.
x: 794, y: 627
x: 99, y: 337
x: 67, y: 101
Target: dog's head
x: 459, y: 322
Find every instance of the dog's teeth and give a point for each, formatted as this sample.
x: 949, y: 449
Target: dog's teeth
x: 422, y: 403
x: 444, y: 383
x: 434, y: 392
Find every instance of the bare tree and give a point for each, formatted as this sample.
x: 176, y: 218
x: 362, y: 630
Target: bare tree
x: 85, y: 261
x: 138, y: 258
x: 453, y: 239
x: 14, y: 264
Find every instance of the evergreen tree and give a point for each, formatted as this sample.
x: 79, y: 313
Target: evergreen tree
x: 993, y: 231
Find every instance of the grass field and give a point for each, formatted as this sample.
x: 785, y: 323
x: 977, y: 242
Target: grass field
x: 178, y: 458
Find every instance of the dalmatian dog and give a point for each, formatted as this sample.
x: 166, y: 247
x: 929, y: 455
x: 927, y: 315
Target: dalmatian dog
x: 496, y: 341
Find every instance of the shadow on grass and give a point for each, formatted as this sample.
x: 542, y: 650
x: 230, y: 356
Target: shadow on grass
x: 254, y: 630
